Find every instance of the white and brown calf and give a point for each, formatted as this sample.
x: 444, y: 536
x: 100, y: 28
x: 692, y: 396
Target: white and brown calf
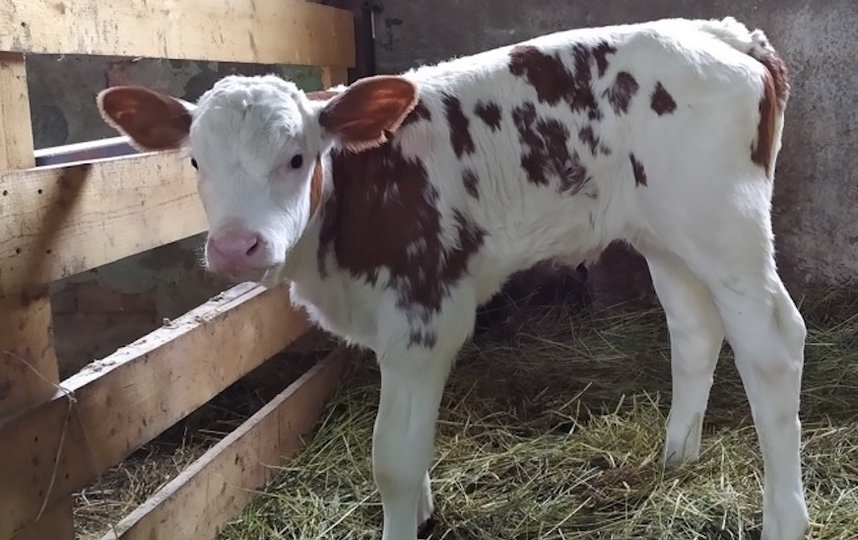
x: 398, y: 205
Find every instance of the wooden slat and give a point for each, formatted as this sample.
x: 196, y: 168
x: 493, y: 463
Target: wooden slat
x: 216, y: 487
x: 16, y: 132
x: 28, y: 362
x: 28, y: 375
x: 58, y: 221
x: 56, y: 523
x: 332, y: 76
x: 252, y: 31
x: 132, y: 396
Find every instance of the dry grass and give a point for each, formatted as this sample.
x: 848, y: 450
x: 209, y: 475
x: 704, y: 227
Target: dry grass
x: 556, y: 433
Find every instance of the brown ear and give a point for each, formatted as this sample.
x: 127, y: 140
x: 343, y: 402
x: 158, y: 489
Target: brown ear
x: 153, y: 121
x: 360, y: 116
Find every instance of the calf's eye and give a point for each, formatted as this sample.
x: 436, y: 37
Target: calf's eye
x: 194, y: 163
x: 297, y: 161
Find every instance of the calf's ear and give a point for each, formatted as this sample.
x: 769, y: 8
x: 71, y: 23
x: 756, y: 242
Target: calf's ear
x: 361, y: 116
x: 153, y: 121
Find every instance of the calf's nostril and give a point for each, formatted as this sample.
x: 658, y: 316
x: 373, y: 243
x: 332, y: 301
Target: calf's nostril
x: 253, y: 248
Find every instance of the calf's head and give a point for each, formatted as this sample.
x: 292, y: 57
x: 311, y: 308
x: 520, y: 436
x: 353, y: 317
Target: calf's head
x: 256, y: 144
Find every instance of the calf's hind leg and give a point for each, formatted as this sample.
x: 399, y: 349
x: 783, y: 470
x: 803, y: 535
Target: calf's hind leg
x: 767, y: 334
x: 696, y: 335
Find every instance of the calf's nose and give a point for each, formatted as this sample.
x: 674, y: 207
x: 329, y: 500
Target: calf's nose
x: 236, y: 250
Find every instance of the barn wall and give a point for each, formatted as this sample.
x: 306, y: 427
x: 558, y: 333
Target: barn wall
x: 816, y: 199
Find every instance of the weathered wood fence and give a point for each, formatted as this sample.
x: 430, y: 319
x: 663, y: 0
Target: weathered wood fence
x: 59, y: 219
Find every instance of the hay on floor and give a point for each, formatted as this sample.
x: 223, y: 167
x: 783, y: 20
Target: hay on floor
x: 556, y: 433
x: 102, y: 504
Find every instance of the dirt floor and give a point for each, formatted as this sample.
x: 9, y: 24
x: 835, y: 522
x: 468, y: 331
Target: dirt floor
x: 552, y: 429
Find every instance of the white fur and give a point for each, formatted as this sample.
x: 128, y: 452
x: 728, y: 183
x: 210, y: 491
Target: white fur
x: 702, y: 222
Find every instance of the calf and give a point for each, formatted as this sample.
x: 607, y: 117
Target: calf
x: 399, y: 204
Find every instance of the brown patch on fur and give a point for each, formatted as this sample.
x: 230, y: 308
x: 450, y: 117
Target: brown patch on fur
x: 546, y: 152
x: 776, y: 89
x: 620, y: 94
x: 383, y: 214
x: 545, y: 73
x: 600, y: 53
x: 422, y: 338
x: 469, y: 178
x: 418, y: 113
x: 460, y: 134
x: 587, y: 136
x: 761, y: 152
x: 638, y: 169
x: 780, y: 77
x: 583, y: 97
x: 661, y: 101
x: 531, y: 159
x: 490, y: 113
x: 553, y: 82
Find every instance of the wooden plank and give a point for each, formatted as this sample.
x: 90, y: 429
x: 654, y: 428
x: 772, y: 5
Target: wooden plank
x: 130, y: 397
x: 28, y: 362
x: 29, y: 375
x: 332, y: 76
x: 251, y: 31
x: 58, y: 221
x: 16, y: 132
x: 216, y: 487
x: 56, y: 523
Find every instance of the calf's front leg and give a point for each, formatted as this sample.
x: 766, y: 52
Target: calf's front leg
x: 412, y: 383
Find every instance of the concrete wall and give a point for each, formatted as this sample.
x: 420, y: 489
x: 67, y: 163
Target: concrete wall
x: 816, y: 199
